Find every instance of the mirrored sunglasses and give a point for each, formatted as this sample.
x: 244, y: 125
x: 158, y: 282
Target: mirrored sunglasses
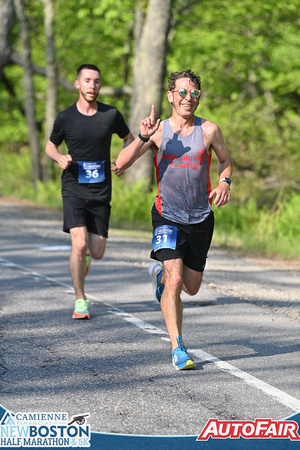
x: 183, y: 93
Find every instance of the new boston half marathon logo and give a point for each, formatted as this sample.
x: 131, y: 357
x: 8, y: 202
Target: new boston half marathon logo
x: 39, y: 429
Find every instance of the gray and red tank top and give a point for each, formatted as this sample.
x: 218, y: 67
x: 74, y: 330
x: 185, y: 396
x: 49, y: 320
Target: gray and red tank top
x: 183, y: 176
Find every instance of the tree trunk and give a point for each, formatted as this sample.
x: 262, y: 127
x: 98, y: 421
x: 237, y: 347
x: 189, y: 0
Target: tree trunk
x: 148, y: 74
x: 29, y: 92
x: 6, y: 22
x: 51, y: 73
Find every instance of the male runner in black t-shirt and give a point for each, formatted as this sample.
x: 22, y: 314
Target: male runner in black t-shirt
x: 86, y: 127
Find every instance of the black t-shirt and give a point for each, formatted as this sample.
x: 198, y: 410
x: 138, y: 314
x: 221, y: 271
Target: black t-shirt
x: 88, y: 138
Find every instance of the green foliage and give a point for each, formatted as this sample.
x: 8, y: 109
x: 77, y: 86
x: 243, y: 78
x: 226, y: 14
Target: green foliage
x: 247, y: 53
x: 15, y: 175
x: 15, y: 180
x: 250, y: 86
x: 261, y: 231
x: 97, y: 33
x: 13, y: 129
x: 131, y: 205
x: 48, y: 193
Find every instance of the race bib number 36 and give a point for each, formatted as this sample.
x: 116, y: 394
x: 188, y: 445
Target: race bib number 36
x: 164, y: 236
x: 91, y: 172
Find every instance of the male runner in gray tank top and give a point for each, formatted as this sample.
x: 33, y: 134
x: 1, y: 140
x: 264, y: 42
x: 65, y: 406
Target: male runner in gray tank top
x: 182, y: 218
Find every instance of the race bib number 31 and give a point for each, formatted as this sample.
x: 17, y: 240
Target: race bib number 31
x: 164, y: 236
x: 91, y: 172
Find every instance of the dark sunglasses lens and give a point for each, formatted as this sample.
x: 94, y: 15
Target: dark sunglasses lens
x: 182, y: 92
x: 195, y: 93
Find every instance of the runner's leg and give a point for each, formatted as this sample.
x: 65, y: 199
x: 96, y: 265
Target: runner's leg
x: 191, y: 280
x: 171, y: 304
x: 96, y: 245
x: 79, y: 238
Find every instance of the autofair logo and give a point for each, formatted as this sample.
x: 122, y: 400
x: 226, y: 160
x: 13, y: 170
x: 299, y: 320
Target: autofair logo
x: 36, y: 429
x: 258, y: 429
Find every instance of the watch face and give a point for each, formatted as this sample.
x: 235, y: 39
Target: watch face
x: 228, y: 180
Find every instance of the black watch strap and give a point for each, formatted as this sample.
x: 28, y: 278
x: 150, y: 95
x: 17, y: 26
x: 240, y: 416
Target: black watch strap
x: 143, y: 138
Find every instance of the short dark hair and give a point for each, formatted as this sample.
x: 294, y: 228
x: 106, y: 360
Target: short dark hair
x: 86, y: 66
x: 184, y: 74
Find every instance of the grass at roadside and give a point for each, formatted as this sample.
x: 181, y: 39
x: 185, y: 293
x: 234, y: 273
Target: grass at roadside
x: 262, y: 231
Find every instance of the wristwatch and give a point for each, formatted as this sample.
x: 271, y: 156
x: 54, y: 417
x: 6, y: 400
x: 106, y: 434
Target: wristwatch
x: 228, y: 180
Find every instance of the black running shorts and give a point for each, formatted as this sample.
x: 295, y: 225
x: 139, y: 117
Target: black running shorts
x: 193, y: 241
x: 80, y: 212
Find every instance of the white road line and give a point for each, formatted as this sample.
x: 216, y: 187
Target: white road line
x: 134, y: 320
x: 7, y: 263
x: 54, y: 248
x: 278, y: 395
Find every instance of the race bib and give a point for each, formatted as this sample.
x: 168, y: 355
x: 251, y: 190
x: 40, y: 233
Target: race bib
x: 91, y: 172
x: 164, y: 236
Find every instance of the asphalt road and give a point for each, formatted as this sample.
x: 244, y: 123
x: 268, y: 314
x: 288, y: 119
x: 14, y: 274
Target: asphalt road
x: 242, y: 328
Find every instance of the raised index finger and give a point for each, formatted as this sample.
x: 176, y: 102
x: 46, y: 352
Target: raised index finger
x: 152, y: 115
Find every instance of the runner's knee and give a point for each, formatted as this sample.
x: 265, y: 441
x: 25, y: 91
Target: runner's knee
x: 79, y: 246
x: 173, y: 281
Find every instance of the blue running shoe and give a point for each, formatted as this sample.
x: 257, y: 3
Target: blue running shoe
x: 181, y: 359
x: 155, y: 272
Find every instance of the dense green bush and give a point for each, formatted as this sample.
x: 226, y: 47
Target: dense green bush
x: 131, y: 205
x: 261, y: 230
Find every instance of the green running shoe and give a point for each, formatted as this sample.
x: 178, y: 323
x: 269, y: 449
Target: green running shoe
x: 87, y: 261
x: 81, y: 309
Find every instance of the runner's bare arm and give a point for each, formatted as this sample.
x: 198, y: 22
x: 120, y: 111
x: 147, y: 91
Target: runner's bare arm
x: 62, y: 160
x: 119, y: 172
x: 222, y: 191
x: 138, y: 147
